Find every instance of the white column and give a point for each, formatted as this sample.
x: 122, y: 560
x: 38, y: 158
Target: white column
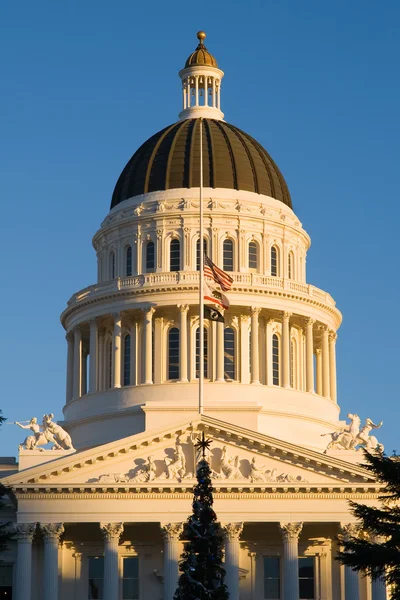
x: 148, y: 344
x: 290, y: 533
x: 220, y: 351
x: 23, y: 580
x: 111, y: 533
x: 325, y: 362
x: 70, y: 367
x: 116, y: 351
x: 77, y: 362
x: 171, y: 533
x: 332, y: 365
x: 93, y: 358
x: 183, y: 343
x: 351, y: 580
x: 78, y: 575
x: 309, y: 355
x: 183, y: 95
x: 84, y: 371
x: 196, y: 101
x: 134, y: 357
x: 232, y: 549
x: 255, y: 358
x: 51, y: 536
x: 213, y: 92
x: 244, y: 349
x: 318, y: 354
x: 286, y: 349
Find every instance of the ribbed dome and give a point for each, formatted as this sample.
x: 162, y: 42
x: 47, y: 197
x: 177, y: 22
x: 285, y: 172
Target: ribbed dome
x: 201, y: 56
x: 231, y: 159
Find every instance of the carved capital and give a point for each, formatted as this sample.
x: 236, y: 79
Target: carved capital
x: 349, y: 530
x: 78, y: 556
x: 25, y: 531
x: 244, y: 318
x: 233, y: 531
x: 310, y: 321
x: 183, y: 308
x: 318, y: 352
x: 332, y: 336
x: 290, y: 531
x: 111, y: 531
x: 171, y: 531
x: 255, y: 311
x: 52, y: 531
x: 287, y: 315
x: 323, y: 328
x: 148, y: 311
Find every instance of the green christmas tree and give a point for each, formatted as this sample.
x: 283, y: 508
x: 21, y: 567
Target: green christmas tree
x: 378, y: 554
x: 201, y: 562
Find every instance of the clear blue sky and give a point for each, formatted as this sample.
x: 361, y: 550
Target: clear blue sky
x: 84, y: 83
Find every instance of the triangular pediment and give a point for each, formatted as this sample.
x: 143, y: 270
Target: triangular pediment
x: 161, y: 459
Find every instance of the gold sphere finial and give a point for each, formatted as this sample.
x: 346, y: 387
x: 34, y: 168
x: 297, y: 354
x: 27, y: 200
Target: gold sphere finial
x: 201, y: 35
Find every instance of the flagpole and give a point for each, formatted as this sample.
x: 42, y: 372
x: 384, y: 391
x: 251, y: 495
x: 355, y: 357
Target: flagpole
x: 201, y: 283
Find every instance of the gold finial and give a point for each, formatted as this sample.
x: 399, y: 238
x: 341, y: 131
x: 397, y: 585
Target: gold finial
x: 201, y: 35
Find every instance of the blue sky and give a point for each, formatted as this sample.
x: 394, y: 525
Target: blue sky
x: 83, y: 84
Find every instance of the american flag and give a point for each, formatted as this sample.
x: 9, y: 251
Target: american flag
x: 218, y: 275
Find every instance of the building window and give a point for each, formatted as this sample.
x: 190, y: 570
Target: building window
x: 275, y: 359
x: 198, y: 352
x: 96, y: 577
x: 128, y: 261
x: 253, y: 256
x: 6, y: 581
x: 150, y: 257
x: 290, y: 265
x: 274, y: 261
x: 228, y: 255
x: 112, y: 265
x: 272, y: 578
x: 198, y: 252
x: 127, y: 360
x: 173, y: 353
x: 130, y: 578
x: 306, y: 578
x: 175, y: 255
x: 229, y: 353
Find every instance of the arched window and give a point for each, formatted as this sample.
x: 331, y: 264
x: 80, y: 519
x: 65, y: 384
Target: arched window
x: 173, y: 353
x: 274, y: 261
x: 228, y: 255
x: 112, y: 264
x: 127, y: 360
x: 290, y: 265
x: 198, y: 252
x: 253, y: 256
x: 175, y: 255
x: 229, y: 353
x: 150, y: 257
x: 128, y: 261
x: 275, y: 359
x: 198, y: 352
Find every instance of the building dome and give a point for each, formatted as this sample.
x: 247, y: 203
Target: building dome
x: 231, y: 159
x: 201, y: 56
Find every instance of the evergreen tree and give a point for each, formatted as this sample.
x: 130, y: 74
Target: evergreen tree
x: 201, y: 562
x: 379, y: 555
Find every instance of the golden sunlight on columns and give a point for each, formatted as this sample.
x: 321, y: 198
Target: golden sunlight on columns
x: 318, y: 354
x: 332, y: 365
x: 70, y: 366
x: 116, y: 351
x: 77, y: 362
x: 148, y: 343
x: 255, y: 361
x: 309, y: 355
x: 244, y: 349
x: 286, y: 349
x: 183, y: 345
x: 220, y: 351
x: 325, y: 362
x: 93, y: 349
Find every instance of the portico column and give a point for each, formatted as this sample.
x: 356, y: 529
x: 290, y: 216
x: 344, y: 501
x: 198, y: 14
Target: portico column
x: 148, y: 344
x: 255, y: 359
x: 70, y: 367
x: 325, y: 363
x: 290, y: 533
x: 351, y: 582
x: 220, y: 350
x: 183, y: 345
x: 77, y: 362
x: 286, y: 349
x: 310, y: 355
x: 171, y: 533
x: 332, y: 365
x: 111, y: 533
x: 116, y: 351
x: 244, y: 349
x: 232, y: 548
x: 23, y: 580
x: 318, y: 362
x: 51, y: 535
x: 93, y: 359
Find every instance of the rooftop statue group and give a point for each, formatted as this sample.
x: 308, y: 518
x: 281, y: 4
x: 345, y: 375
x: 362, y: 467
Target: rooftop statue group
x: 350, y: 436
x: 48, y: 432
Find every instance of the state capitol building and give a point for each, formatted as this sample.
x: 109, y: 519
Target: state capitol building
x: 101, y: 498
